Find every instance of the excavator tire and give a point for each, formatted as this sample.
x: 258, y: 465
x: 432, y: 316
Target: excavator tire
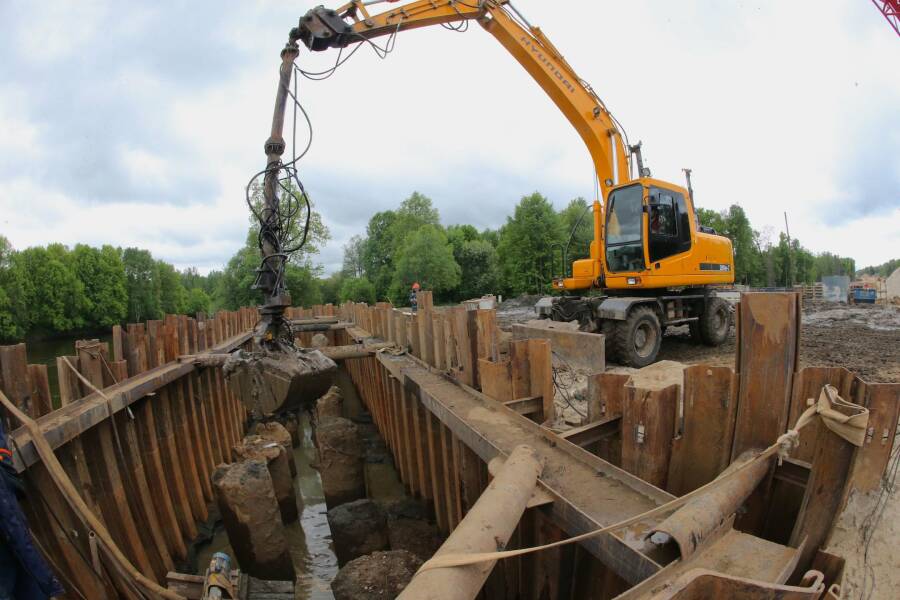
x: 715, y: 322
x: 636, y: 340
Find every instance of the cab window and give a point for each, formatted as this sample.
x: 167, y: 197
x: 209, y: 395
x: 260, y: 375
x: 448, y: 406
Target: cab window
x: 669, y: 224
x: 624, y: 227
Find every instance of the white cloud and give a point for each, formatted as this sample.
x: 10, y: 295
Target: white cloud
x: 775, y: 107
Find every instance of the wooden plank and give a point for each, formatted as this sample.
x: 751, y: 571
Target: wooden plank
x: 466, y: 357
x: 487, y: 342
x: 883, y: 402
x: 40, y: 390
x: 69, y: 538
x: 648, y: 426
x: 65, y: 424
x: 142, y: 500
x: 425, y: 303
x: 496, y: 379
x: 520, y: 370
x: 125, y: 470
x: 592, y: 433
x: 14, y: 380
x: 217, y: 405
x: 703, y: 449
x: 533, y: 405
x: 575, y: 349
x: 766, y: 361
x: 111, y: 496
x: 407, y: 428
x: 435, y: 457
x: 421, y: 445
x: 440, y: 344
x: 197, y: 430
x: 826, y: 494
x: 450, y: 490
x: 415, y: 336
x: 540, y: 368
x: 177, y: 420
x: 207, y: 403
x: 606, y: 395
x: 72, y: 455
x: 769, y: 340
x: 583, y: 500
x: 457, y: 477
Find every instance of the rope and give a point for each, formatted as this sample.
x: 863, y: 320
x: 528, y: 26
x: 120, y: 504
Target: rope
x: 130, y: 575
x: 851, y: 428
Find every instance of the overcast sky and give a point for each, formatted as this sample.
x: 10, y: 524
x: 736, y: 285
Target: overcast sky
x: 138, y: 124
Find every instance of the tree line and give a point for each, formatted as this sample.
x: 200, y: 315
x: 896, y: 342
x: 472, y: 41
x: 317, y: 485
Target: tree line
x: 55, y: 289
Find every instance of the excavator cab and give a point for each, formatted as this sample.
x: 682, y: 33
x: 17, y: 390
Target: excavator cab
x: 652, y: 240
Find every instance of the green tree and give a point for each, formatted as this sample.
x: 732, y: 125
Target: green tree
x: 458, y: 235
x: 331, y: 288
x: 102, y: 273
x: 354, y: 257
x: 316, y: 236
x: 480, y: 269
x: 197, y: 302
x: 234, y: 287
x: 142, y: 284
x: 378, y: 254
x: 357, y: 289
x: 13, y: 314
x: 711, y: 218
x: 414, y: 212
x: 172, y: 295
x: 52, y: 292
x: 302, y: 285
x: 525, y: 246
x: 578, y: 229
x: 427, y: 258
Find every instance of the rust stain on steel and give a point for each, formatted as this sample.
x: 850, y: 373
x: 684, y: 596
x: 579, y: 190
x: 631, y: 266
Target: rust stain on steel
x: 701, y: 584
x: 695, y: 521
x: 588, y: 492
x: 578, y: 349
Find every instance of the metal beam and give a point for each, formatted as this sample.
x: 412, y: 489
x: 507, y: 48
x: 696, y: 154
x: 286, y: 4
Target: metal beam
x: 588, y: 492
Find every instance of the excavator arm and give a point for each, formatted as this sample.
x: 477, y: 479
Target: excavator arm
x: 322, y: 29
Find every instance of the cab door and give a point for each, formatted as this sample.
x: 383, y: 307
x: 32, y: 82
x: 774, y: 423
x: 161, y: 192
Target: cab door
x: 669, y: 232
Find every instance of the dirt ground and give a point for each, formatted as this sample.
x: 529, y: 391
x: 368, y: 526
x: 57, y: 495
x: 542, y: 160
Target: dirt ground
x: 863, y: 338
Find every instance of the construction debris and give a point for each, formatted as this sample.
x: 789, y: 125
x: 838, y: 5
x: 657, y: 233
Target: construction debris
x: 269, y: 382
x: 341, y: 456
x: 252, y: 518
x: 357, y: 528
x: 255, y: 447
x: 377, y: 576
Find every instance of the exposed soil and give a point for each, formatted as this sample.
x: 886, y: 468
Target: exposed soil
x: 377, y: 576
x: 414, y: 535
x: 863, y: 338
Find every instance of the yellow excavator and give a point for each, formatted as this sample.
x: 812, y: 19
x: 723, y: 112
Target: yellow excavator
x: 651, y: 264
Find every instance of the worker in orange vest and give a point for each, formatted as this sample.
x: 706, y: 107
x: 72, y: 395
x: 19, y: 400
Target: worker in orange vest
x: 413, y: 300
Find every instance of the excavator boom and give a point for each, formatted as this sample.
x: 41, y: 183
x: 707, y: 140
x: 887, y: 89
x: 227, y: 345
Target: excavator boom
x: 322, y: 29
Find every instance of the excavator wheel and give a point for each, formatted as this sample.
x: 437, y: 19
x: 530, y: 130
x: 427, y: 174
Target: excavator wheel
x: 715, y: 322
x: 636, y: 340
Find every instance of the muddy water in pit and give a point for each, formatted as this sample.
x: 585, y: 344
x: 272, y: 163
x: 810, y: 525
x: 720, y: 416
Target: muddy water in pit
x: 309, y: 539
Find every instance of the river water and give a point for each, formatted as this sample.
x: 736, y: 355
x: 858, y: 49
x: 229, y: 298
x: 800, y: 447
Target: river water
x: 44, y: 352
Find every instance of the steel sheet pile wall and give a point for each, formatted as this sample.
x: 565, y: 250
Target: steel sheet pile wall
x: 676, y: 435
x: 142, y: 459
